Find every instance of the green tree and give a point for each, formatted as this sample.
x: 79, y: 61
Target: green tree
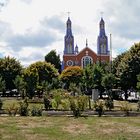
x: 138, y: 83
x: 54, y: 59
x: 9, y: 69
x: 20, y: 86
x: 108, y: 82
x: 128, y: 68
x: 116, y: 62
x: 31, y: 79
x: 92, y: 78
x: 71, y: 75
x: 37, y: 73
x: 2, y: 85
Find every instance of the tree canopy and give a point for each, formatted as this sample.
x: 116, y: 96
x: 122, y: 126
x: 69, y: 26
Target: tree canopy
x: 72, y: 74
x: 54, y: 59
x: 37, y: 73
x: 129, y: 67
x: 9, y: 69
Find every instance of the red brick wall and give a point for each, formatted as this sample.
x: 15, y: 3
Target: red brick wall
x: 83, y: 53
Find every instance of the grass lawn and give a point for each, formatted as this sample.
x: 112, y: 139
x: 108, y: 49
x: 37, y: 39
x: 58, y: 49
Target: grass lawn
x: 69, y: 128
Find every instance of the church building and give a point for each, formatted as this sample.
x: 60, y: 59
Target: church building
x: 73, y: 57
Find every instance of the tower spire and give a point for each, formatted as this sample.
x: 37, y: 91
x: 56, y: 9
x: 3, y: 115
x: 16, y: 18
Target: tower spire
x: 69, y: 39
x: 102, y: 43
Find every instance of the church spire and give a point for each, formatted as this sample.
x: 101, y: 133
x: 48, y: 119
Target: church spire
x: 102, y: 43
x: 69, y: 39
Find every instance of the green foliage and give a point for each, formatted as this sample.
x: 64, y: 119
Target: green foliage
x: 138, y: 83
x: 116, y: 62
x: 92, y: 78
x: 78, y: 104
x: 108, y: 81
x: 128, y: 68
x: 2, y: 85
x: 74, y: 107
x: 99, y: 107
x: 54, y: 59
x: 9, y: 69
x: 36, y: 111
x: 12, y: 109
x: 82, y: 102
x: 47, y: 102
x: 138, y: 106
x: 44, y: 71
x: 109, y: 103
x: 71, y: 75
x: 23, y: 109
x: 31, y: 79
x: 125, y: 106
x: 1, y: 103
x: 37, y: 75
x: 20, y: 85
x: 65, y: 104
x: 74, y: 89
x: 56, y: 99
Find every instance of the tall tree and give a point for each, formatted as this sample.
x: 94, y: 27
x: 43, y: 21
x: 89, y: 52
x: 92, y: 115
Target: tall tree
x: 37, y: 73
x: 9, y: 69
x: 128, y: 67
x: 2, y: 85
x: 138, y: 83
x: 92, y: 78
x: 54, y: 59
x: 20, y: 85
x: 108, y: 82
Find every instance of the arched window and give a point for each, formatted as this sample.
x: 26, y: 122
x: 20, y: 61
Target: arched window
x: 103, y: 49
x: 69, y: 48
x: 86, y: 60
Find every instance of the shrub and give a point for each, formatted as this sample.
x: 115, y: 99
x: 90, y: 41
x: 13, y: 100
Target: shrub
x: 78, y: 104
x: 12, y: 109
x: 99, y: 107
x: 54, y: 104
x: 23, y: 110
x: 65, y: 104
x: 138, y: 106
x: 36, y: 111
x: 125, y: 106
x: 74, y: 108
x: 82, y: 102
x: 109, y: 103
x: 1, y: 104
x: 47, y: 102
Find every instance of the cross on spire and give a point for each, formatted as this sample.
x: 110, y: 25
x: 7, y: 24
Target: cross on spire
x: 86, y: 42
x: 68, y: 14
x: 101, y: 14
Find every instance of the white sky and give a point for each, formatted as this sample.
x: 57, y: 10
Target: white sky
x: 29, y: 29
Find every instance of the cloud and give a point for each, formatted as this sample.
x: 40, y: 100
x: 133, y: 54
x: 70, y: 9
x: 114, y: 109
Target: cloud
x: 54, y: 22
x: 123, y: 17
x: 37, y: 39
x: 5, y: 29
x: 27, y: 1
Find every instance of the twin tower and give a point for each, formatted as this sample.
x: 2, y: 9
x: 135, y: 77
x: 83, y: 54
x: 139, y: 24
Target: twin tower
x: 73, y: 57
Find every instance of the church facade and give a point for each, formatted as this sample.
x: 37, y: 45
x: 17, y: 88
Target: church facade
x: 73, y: 57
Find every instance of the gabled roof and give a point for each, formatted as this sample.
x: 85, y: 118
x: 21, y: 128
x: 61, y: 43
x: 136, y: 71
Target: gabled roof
x: 85, y: 49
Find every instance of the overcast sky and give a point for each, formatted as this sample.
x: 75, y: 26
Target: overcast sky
x: 29, y: 29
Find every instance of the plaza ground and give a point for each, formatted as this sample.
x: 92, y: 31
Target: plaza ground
x: 69, y: 128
